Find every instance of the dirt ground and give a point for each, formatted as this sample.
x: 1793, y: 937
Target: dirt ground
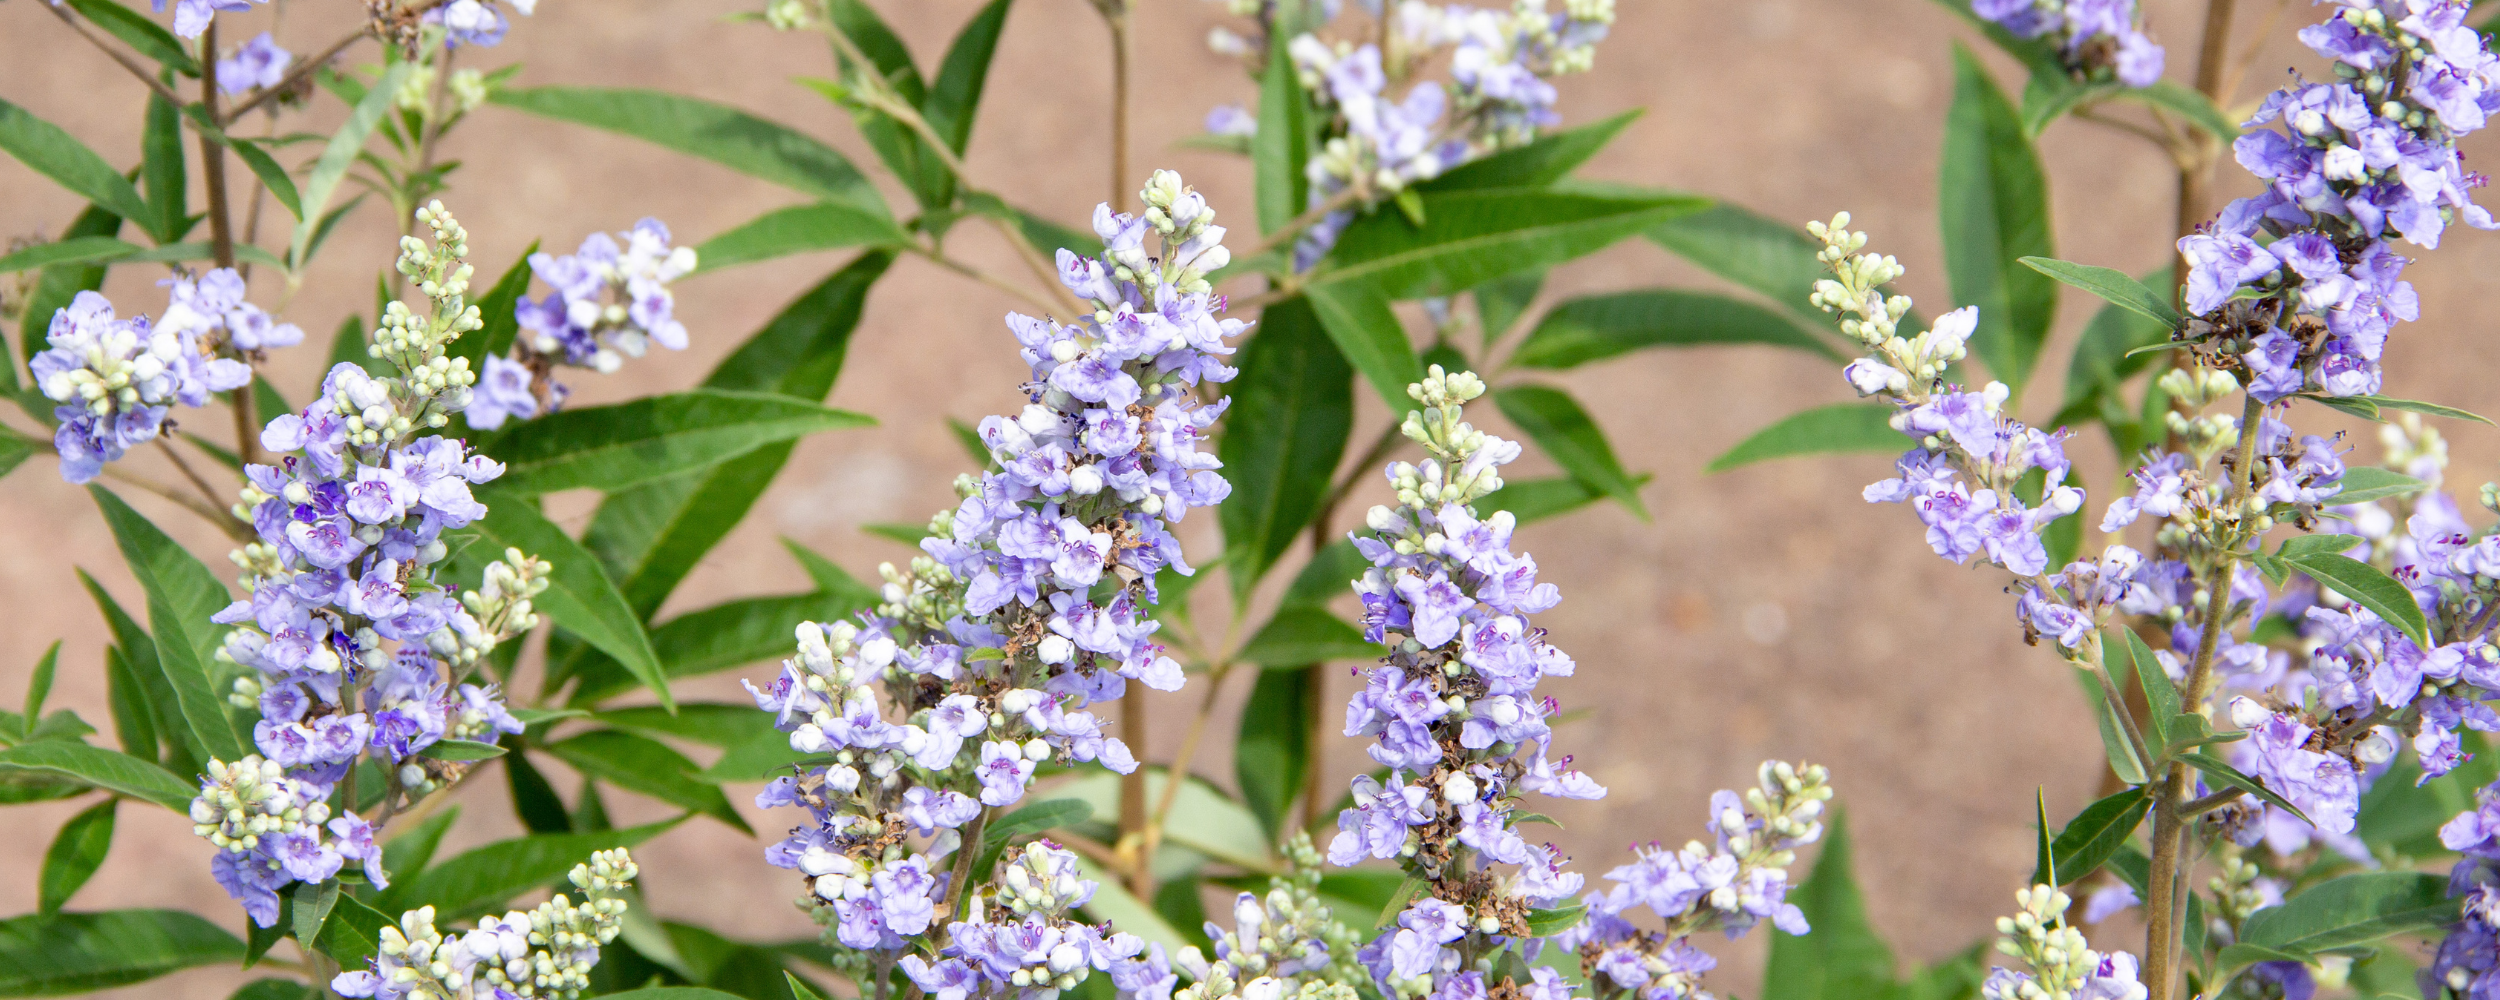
x: 1763, y: 612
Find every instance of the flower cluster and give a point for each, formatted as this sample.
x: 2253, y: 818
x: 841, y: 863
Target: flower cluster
x: 1285, y: 945
x: 546, y: 953
x: 1374, y: 145
x: 2092, y: 36
x: 475, y: 22
x: 258, y: 64
x: 1458, y: 724
x: 1030, y: 606
x: 1017, y: 939
x: 272, y: 828
x: 607, y: 302
x: 1732, y: 886
x: 1961, y: 479
x: 117, y: 378
x: 191, y: 17
x: 2364, y: 159
x: 357, y: 650
x: 2063, y: 964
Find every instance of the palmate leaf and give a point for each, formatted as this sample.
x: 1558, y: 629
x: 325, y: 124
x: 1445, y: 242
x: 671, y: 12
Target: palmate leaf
x: 1295, y: 394
x: 1993, y: 204
x: 654, y: 437
x: 57, y: 954
x: 723, y: 135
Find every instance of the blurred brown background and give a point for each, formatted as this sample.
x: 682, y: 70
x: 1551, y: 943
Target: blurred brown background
x: 1765, y: 612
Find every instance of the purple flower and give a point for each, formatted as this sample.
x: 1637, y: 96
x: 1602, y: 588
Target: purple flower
x: 1003, y: 773
x: 2219, y: 265
x: 260, y: 63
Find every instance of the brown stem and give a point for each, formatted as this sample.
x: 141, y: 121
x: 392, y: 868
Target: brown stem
x: 1133, y: 819
x: 2199, y: 807
x: 1115, y: 16
x: 119, y: 56
x: 964, y: 854
x: 213, y: 159
x: 207, y: 492
x: 288, y: 82
x: 1179, y: 771
x: 2169, y: 815
x: 2196, y: 176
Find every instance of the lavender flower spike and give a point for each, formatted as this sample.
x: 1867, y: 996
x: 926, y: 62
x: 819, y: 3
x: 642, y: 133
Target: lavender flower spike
x: 546, y: 952
x: 2063, y: 964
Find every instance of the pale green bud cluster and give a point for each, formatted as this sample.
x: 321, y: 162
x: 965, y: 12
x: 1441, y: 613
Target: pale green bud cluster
x: 1040, y: 880
x: 546, y: 952
x: 247, y: 800
x: 1789, y: 800
x: 1193, y: 245
x: 926, y: 595
x: 2412, y: 446
x: 788, y: 15
x: 1453, y: 444
x: 1267, y: 953
x: 2060, y: 958
x: 441, y: 273
x: 1855, y: 290
x: 2236, y: 887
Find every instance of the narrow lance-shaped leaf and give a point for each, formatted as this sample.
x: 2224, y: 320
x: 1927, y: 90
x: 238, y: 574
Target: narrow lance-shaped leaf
x: 2351, y: 910
x: 134, y: 29
x: 2114, y: 287
x: 328, y: 172
x: 1549, y: 159
x: 650, y: 438
x: 54, y: 954
x: 955, y: 97
x: 48, y: 150
x: 579, y: 595
x: 1282, y: 143
x: 1843, y: 959
x: 797, y: 229
x: 1993, y: 203
x: 1371, y: 338
x: 724, y: 135
x: 1599, y: 327
x: 182, y: 596
x: 640, y: 764
x: 2368, y: 587
x: 2095, y: 835
x: 1840, y: 427
x: 1470, y: 237
x: 75, y: 855
x: 486, y: 876
x: 1293, y: 408
x: 1557, y: 423
x: 111, y: 770
x: 1274, y: 753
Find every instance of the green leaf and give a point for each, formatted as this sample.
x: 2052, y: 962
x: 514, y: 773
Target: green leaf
x: 2368, y: 587
x: 534, y: 801
x: 461, y: 750
x: 1326, y: 577
x: 2364, y: 483
x: 1774, y: 258
x: 651, y: 438
x: 1294, y: 405
x: 60, y: 282
x: 409, y: 851
x: 484, y: 877
x: 274, y: 988
x: 1599, y: 327
x: 2105, y: 357
x: 1995, y: 211
x: 750, y: 630
x: 323, y: 182
x: 1115, y: 905
x: 2114, y: 287
x: 56, y: 954
x: 646, y: 766
x: 313, y: 903
x: 798, y: 229
x: 955, y: 96
x: 2188, y: 104
x: 1371, y: 338
x: 1843, y: 959
x: 1537, y: 499
x: 161, y: 168
x: 828, y: 576
x: 182, y: 595
x: 2123, y: 760
x: 1039, y: 817
x: 2047, y: 859
x: 353, y: 933
x: 132, y: 726
x: 1282, y: 143
x: 2351, y: 910
x: 1543, y: 922
x: 1471, y: 237
x: 1840, y: 427
x: 74, y: 250
x: 2429, y: 409
x: 709, y: 723
x: 1548, y: 159
x: 497, y: 308
x: 136, y: 31
x: 110, y: 770
x: 672, y: 993
x: 1300, y: 636
x: 1273, y: 755
x: 1502, y: 301
x: 2095, y: 835
x: 2161, y: 697
x: 2223, y: 773
x: 274, y: 177
x: 723, y: 135
x: 47, y: 150
x: 579, y: 595
x: 651, y: 536
x: 756, y: 760
x: 75, y: 855
x: 1556, y: 422
x: 1202, y: 819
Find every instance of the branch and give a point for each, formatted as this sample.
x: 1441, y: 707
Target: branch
x: 293, y: 76
x: 119, y: 56
x: 1293, y: 227
x: 940, y: 258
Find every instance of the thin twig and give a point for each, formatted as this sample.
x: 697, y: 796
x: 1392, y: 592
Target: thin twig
x: 224, y: 521
x: 2248, y: 56
x: 1115, y: 16
x: 118, y: 55
x: 2093, y: 115
x: 2217, y: 800
x: 207, y: 492
x: 1293, y: 227
x: 940, y: 258
x: 288, y: 82
x: 1179, y: 771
